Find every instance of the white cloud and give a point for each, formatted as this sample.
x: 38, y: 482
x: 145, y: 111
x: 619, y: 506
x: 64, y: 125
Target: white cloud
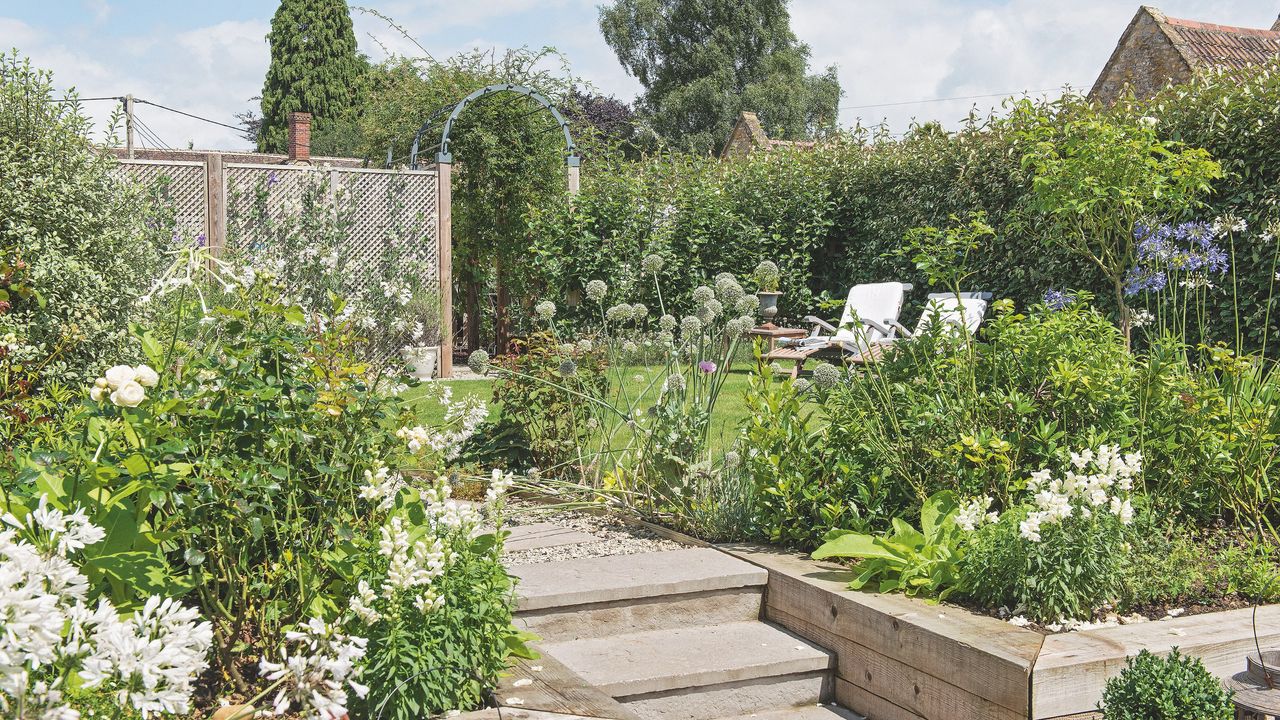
x: 886, y: 52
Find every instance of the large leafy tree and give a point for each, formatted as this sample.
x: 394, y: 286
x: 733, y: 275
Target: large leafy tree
x: 702, y: 61
x: 314, y: 68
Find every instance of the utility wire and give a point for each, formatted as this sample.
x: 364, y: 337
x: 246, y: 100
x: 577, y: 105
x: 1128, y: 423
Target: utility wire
x: 79, y: 99
x: 238, y: 128
x: 150, y: 134
x: 933, y: 100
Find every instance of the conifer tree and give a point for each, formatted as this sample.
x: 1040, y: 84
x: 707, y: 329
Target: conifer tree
x: 314, y: 68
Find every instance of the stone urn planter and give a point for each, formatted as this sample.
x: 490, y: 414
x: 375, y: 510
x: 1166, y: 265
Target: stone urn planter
x: 768, y: 305
x: 421, y: 360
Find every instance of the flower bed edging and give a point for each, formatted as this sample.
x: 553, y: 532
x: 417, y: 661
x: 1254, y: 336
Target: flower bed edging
x: 900, y: 658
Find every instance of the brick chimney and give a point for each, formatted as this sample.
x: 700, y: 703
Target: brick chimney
x: 300, y: 138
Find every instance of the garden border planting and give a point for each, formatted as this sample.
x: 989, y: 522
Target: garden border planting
x: 909, y: 659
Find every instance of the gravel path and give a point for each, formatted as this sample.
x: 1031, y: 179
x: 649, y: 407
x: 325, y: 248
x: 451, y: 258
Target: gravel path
x: 613, y: 537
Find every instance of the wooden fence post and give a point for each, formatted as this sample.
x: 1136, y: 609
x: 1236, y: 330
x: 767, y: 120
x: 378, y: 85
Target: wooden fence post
x: 444, y: 262
x: 215, y: 222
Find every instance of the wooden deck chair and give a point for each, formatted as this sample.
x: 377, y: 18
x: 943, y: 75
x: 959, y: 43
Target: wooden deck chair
x: 870, y: 317
x: 967, y: 310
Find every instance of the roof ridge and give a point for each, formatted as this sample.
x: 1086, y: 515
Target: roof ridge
x: 1214, y: 27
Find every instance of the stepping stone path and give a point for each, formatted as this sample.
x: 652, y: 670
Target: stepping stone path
x: 672, y: 633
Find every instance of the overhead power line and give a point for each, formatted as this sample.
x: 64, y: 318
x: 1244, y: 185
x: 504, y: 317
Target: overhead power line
x: 945, y: 99
x: 196, y: 117
x: 80, y: 99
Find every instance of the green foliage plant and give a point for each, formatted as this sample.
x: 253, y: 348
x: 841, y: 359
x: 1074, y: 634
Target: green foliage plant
x: 1152, y: 687
x: 1058, y: 556
x: 1095, y: 177
x: 541, y: 388
x: 78, y: 231
x: 917, y: 562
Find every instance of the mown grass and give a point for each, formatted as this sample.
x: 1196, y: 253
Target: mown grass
x: 730, y: 409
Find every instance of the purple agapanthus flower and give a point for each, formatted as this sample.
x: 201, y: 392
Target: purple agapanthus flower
x: 707, y: 366
x: 1188, y: 247
x: 201, y: 241
x: 272, y: 179
x: 1058, y: 300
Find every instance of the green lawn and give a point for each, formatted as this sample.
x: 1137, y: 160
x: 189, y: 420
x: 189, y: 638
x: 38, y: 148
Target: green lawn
x: 730, y: 408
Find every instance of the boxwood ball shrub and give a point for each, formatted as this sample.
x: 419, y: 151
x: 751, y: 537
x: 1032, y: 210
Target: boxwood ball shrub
x: 1175, y: 687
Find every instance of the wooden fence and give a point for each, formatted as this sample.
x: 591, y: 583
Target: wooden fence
x: 204, y: 195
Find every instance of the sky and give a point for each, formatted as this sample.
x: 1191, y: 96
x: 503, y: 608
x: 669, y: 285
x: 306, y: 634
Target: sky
x: 209, y: 58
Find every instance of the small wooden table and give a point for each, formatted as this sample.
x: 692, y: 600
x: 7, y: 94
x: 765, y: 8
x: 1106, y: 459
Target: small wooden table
x: 773, y: 332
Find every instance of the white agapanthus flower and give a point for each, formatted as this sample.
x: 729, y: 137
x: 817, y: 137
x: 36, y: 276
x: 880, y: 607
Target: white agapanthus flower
x: 148, y: 661
x: 323, y: 665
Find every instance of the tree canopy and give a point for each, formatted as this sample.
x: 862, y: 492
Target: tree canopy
x: 702, y: 61
x: 314, y: 68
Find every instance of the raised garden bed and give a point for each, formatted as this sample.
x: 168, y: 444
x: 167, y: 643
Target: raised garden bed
x: 900, y: 658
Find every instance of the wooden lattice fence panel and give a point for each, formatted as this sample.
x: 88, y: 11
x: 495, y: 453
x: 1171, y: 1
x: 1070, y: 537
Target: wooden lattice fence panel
x: 182, y: 186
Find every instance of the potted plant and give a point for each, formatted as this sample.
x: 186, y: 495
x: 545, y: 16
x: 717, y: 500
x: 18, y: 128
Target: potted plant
x: 767, y: 277
x: 419, y: 355
x: 421, y: 360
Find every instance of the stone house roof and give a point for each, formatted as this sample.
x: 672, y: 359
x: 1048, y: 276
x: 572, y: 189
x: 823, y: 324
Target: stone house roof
x: 1156, y: 49
x: 748, y: 135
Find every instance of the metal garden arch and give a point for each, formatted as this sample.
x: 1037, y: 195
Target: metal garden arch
x: 572, y: 160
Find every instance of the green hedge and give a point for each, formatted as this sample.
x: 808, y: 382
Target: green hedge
x: 835, y: 216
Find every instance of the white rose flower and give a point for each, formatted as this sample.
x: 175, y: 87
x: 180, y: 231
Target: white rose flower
x: 129, y: 394
x: 146, y: 377
x: 97, y: 394
x: 119, y: 375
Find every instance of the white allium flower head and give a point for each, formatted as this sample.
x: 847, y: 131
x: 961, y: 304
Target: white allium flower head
x: 702, y: 294
x: 596, y: 290
x: 826, y: 376
x: 545, y: 310
x: 668, y: 322
x: 652, y: 264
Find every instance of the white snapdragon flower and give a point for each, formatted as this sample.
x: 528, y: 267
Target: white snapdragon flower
x: 499, y: 484
x: 381, y: 486
x: 973, y: 514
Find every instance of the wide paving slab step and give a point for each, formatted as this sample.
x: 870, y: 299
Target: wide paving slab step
x: 586, y: 581
x: 803, y: 712
x: 690, y: 657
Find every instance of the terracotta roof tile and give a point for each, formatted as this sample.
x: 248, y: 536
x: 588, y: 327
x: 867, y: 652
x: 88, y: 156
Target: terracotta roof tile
x: 1208, y: 44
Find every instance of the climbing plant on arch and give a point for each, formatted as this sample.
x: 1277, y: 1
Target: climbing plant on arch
x: 496, y: 180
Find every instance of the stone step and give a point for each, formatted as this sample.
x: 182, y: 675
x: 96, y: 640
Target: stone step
x: 802, y: 712
x: 607, y: 619
x: 592, y: 581
x: 700, y: 672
